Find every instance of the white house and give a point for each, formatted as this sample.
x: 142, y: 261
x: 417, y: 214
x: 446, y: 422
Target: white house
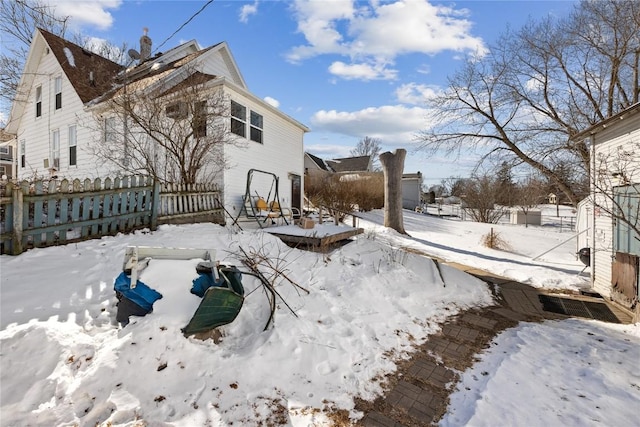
x: 411, y: 190
x: 63, y: 116
x: 615, y: 196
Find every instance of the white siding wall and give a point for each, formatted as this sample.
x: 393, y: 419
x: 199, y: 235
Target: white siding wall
x: 36, y: 132
x: 220, y: 64
x: 411, y: 190
x: 281, y: 153
x: 607, y: 142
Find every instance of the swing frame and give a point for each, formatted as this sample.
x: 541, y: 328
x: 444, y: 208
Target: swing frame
x: 248, y: 200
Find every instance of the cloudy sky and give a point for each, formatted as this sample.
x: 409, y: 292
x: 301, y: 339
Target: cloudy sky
x: 346, y: 69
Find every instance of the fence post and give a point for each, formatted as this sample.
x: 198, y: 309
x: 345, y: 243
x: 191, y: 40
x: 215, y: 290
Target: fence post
x: 17, y: 220
x: 155, y: 204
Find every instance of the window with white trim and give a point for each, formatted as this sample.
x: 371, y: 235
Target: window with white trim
x: 58, y: 91
x: 72, y: 146
x: 55, y: 148
x: 255, y: 130
x: 38, y: 101
x: 110, y: 130
x: 23, y: 158
x: 199, y: 122
x: 238, y: 119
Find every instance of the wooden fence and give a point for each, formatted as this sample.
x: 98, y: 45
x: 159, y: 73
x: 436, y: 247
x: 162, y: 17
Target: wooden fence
x: 47, y: 213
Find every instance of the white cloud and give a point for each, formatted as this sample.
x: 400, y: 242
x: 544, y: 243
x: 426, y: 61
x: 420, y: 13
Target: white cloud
x: 416, y: 94
x: 87, y: 13
x: 330, y: 151
x: 377, y: 32
x: 362, y: 71
x: 247, y: 10
x: 393, y: 124
x: 271, y: 101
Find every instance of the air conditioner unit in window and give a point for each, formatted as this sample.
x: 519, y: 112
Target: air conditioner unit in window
x: 177, y: 110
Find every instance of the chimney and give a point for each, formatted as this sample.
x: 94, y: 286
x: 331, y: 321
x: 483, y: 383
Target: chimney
x: 145, y: 46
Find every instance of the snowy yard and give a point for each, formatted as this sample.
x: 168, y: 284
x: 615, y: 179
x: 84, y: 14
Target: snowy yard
x: 64, y: 361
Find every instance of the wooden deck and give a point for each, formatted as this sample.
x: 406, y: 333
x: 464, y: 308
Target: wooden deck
x: 319, y: 236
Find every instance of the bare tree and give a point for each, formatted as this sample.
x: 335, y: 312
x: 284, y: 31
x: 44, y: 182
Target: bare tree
x: 615, y: 187
x: 393, y: 166
x: 480, y: 195
x: 18, y: 21
x: 528, y: 195
x: 174, y: 134
x: 541, y: 85
x: 369, y: 146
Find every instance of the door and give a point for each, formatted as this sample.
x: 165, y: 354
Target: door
x: 296, y: 194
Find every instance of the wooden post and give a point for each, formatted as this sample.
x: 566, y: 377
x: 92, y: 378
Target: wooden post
x: 155, y: 205
x: 17, y: 220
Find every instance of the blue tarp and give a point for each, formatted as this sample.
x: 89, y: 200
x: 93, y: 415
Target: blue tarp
x: 142, y: 294
x: 203, y: 282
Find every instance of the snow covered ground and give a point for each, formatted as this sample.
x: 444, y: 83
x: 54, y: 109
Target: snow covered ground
x: 64, y: 361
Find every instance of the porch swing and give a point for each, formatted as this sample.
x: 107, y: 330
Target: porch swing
x: 259, y: 208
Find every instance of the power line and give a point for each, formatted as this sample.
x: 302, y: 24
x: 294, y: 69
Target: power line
x: 183, y: 25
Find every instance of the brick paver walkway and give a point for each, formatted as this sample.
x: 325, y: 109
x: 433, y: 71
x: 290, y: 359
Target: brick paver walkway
x: 418, y: 393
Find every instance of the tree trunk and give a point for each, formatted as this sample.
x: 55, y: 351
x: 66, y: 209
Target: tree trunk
x: 393, y: 166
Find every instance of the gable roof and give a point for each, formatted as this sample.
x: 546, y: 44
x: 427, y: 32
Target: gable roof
x: 81, y: 65
x: 318, y: 161
x: 350, y: 164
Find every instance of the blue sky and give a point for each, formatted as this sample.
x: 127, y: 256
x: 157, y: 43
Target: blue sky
x: 346, y: 69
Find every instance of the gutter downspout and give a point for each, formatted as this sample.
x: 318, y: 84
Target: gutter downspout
x: 593, y: 210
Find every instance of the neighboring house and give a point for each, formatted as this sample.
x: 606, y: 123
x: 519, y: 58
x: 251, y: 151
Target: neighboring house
x: 351, y: 164
x: 411, y: 190
x: 615, y: 188
x: 7, y: 158
x: 315, y: 167
x: 62, y: 117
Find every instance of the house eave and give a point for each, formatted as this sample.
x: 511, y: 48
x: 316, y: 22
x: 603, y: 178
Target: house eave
x: 607, y: 123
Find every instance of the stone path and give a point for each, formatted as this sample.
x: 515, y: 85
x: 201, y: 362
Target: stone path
x: 418, y: 393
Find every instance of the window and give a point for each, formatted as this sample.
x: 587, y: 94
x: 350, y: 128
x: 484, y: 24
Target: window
x: 58, y: 87
x: 256, y: 127
x: 38, y: 101
x: 55, y: 148
x: 23, y: 158
x: 3, y: 171
x: 177, y: 110
x: 110, y: 130
x: 72, y: 146
x: 199, y: 122
x: 238, y: 119
x: 627, y: 204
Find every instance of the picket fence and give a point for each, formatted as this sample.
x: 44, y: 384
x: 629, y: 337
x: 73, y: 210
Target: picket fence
x: 54, y: 212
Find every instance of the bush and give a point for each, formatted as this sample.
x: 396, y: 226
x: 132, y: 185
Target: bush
x: 348, y: 192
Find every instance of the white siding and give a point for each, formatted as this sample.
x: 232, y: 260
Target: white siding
x: 280, y: 153
x: 219, y: 63
x: 607, y: 143
x: 37, y: 131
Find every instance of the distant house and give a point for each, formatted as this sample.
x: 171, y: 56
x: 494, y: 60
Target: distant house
x: 411, y: 190
x: 7, y: 158
x: 62, y: 113
x: 314, y: 166
x: 615, y: 187
x: 351, y: 164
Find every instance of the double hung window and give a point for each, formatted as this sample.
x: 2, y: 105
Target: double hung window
x: 58, y: 89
